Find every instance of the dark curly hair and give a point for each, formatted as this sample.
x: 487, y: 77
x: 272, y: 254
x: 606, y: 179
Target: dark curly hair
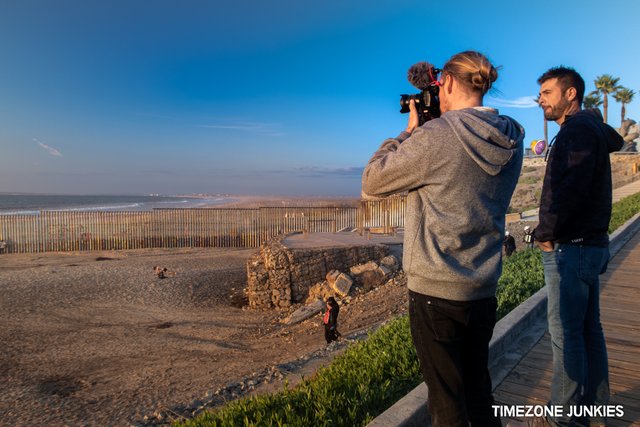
x: 567, y: 77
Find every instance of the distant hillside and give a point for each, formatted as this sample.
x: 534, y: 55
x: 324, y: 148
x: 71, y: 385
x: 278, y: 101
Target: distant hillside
x: 625, y: 168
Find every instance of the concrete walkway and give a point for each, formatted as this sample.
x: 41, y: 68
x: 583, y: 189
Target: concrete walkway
x: 529, y: 382
x: 323, y: 240
x: 627, y: 190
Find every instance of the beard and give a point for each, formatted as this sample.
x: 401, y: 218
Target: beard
x: 554, y: 112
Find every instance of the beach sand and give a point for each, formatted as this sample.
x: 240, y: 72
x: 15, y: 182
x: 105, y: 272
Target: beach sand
x: 254, y: 202
x: 96, y: 338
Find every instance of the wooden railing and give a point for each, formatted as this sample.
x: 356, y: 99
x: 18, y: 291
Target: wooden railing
x: 176, y: 228
x: 384, y: 215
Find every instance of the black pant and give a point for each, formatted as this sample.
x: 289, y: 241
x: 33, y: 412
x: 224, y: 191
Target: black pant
x: 452, y: 342
x: 330, y: 334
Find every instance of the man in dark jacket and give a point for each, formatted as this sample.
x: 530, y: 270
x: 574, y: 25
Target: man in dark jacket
x: 575, y: 210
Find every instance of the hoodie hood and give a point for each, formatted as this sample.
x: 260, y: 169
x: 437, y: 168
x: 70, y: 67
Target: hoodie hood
x: 491, y: 140
x: 593, y: 116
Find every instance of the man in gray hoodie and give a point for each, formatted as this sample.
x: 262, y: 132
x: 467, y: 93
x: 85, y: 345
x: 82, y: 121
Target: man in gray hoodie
x: 460, y: 171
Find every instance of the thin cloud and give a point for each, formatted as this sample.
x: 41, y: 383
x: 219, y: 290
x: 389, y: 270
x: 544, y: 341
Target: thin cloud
x: 522, y: 102
x: 250, y: 127
x: 314, y: 172
x: 73, y: 174
x: 349, y: 171
x: 52, y: 151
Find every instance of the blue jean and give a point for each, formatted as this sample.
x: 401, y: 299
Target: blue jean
x: 580, y: 366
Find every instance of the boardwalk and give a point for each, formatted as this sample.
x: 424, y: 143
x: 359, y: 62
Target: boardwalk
x: 627, y: 190
x: 529, y: 382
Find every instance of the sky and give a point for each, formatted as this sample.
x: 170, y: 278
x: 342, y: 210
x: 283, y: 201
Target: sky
x: 263, y: 98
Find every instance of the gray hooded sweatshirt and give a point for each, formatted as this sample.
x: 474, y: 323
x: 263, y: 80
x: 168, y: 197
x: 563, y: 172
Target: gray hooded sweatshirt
x: 460, y: 171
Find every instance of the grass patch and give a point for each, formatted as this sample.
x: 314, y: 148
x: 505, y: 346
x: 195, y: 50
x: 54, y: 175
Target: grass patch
x: 529, y: 180
x: 623, y: 211
x: 522, y: 276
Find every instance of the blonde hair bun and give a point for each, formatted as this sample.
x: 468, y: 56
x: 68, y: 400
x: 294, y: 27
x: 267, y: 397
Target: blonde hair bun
x: 472, y: 69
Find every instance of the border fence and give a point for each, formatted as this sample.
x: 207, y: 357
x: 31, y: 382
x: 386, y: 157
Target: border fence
x: 57, y: 231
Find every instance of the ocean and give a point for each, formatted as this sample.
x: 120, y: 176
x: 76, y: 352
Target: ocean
x: 33, y: 204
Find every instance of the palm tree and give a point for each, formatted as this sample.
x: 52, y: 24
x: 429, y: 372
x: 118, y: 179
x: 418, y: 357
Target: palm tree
x: 593, y: 100
x: 606, y: 84
x: 624, y: 96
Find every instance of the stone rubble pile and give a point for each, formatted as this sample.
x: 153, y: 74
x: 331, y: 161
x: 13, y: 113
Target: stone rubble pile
x: 279, y: 277
x: 362, y: 278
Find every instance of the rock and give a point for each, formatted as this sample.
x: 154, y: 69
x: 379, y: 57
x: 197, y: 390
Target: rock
x: 342, y: 285
x: 384, y: 271
x: 361, y: 268
x: 629, y: 131
x: 391, y: 262
x: 332, y: 276
x: 370, y: 279
x: 320, y: 291
x: 625, y: 126
x: 306, y: 312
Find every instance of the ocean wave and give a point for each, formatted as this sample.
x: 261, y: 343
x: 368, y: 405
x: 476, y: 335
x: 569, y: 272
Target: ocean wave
x: 20, y: 212
x: 171, y: 202
x: 147, y: 204
x: 131, y: 206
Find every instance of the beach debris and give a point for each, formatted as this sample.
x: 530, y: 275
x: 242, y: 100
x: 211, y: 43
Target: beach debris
x: 162, y: 272
x: 305, y: 312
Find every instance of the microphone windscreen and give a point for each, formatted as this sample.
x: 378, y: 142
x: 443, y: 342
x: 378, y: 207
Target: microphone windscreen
x: 418, y: 75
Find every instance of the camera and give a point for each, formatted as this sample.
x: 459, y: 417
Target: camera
x: 424, y: 77
x: 427, y: 104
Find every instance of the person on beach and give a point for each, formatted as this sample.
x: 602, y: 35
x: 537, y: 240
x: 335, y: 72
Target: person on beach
x: 509, y: 244
x: 330, y: 320
x: 162, y: 272
x: 460, y: 171
x: 575, y: 210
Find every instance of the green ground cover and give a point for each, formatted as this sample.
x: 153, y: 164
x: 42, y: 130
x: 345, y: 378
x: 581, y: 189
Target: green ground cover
x: 624, y: 210
x: 373, y: 374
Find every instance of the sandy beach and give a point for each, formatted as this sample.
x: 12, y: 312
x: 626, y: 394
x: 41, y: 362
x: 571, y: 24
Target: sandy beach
x: 254, y: 202
x: 96, y: 339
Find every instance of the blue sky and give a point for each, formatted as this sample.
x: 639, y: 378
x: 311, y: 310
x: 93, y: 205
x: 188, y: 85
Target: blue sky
x: 256, y: 97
